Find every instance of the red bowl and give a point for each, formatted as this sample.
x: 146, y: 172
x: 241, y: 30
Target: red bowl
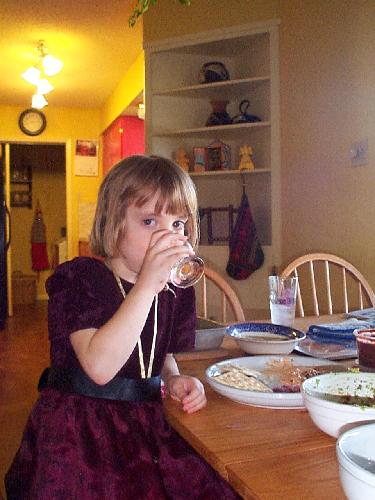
x: 366, y: 347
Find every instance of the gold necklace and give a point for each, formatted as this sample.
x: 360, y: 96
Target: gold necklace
x: 139, y: 343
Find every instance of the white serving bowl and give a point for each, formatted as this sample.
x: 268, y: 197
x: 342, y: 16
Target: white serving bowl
x: 323, y: 396
x: 355, y: 451
x: 208, y: 335
x: 265, y: 338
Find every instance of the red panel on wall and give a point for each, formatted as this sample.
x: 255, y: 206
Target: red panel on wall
x: 124, y: 137
x: 112, y: 145
x: 133, y: 137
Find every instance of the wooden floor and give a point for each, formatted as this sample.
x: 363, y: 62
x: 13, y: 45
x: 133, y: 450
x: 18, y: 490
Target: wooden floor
x: 24, y: 352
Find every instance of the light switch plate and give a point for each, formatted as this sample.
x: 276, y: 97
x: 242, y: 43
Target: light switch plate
x: 359, y: 153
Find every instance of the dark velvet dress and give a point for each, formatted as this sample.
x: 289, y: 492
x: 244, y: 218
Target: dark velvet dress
x: 84, y: 448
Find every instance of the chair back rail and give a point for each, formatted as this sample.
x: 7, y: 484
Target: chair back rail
x: 365, y: 292
x: 228, y: 297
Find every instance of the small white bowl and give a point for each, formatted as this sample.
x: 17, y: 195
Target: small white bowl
x: 355, y: 451
x: 265, y: 338
x: 334, y: 400
x: 208, y: 335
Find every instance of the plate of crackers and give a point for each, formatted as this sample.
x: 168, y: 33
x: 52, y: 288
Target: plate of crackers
x: 267, y: 381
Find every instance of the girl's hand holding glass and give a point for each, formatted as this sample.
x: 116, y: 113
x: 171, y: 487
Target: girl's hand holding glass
x: 165, y: 248
x: 173, y: 260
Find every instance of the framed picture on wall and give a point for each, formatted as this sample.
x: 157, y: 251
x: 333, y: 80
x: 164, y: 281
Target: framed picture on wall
x: 86, y: 158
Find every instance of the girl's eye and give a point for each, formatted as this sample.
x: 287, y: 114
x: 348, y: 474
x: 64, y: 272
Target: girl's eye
x: 149, y: 222
x: 179, y: 224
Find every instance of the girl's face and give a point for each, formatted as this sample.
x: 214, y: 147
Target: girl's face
x: 140, y: 224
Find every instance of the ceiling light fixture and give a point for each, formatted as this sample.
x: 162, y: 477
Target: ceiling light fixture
x: 31, y: 75
x: 44, y: 86
x: 38, y: 101
x: 47, y: 65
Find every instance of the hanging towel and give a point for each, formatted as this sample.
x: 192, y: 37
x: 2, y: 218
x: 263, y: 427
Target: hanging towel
x: 39, y: 257
x: 245, y: 252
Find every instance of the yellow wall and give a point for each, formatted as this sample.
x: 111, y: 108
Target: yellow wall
x: 327, y: 102
x: 64, y: 125
x: 130, y: 86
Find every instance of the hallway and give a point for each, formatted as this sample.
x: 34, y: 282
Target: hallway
x: 24, y: 353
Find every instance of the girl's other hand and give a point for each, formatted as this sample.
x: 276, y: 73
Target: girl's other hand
x: 189, y: 391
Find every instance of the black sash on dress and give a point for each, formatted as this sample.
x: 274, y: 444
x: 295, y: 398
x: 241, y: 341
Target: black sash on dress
x: 76, y: 381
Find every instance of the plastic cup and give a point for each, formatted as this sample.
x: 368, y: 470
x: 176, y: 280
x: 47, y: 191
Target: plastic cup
x: 283, y: 294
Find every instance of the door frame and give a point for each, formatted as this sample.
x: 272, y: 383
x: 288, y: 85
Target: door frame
x: 67, y: 143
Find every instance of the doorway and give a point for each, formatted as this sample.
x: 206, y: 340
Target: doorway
x: 37, y: 179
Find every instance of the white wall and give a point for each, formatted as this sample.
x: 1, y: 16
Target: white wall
x: 327, y: 103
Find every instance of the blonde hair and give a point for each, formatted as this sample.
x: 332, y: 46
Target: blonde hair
x: 136, y: 180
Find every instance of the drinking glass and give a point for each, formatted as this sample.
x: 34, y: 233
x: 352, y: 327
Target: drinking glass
x: 283, y: 294
x: 187, y: 271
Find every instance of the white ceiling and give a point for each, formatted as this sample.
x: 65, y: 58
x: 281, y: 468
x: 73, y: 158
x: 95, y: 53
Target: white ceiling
x: 92, y: 38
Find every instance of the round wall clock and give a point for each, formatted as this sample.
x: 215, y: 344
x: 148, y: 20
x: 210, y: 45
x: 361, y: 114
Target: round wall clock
x: 32, y: 121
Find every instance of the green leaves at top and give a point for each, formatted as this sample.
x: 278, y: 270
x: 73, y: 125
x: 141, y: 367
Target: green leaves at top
x: 142, y: 6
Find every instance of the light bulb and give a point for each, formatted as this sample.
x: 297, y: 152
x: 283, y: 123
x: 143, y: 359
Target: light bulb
x: 38, y: 101
x: 141, y: 111
x: 31, y: 75
x: 44, y: 86
x: 51, y: 65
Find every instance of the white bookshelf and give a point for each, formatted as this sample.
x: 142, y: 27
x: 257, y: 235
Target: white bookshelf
x: 177, y: 107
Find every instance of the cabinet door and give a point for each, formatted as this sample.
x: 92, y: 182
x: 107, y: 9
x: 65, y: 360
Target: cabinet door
x: 125, y: 137
x: 112, y: 144
x: 132, y: 137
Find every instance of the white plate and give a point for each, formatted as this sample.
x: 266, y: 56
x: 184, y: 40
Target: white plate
x: 264, y: 399
x: 325, y: 351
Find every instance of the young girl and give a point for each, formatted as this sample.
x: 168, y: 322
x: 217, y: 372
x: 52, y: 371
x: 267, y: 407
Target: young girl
x: 97, y: 431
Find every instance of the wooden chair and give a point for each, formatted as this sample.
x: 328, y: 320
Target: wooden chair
x: 352, y: 283
x: 204, y: 288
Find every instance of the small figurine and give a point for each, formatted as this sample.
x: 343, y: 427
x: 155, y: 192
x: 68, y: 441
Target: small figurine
x: 244, y: 116
x: 219, y: 115
x: 218, y: 156
x: 199, y: 159
x: 246, y: 163
x: 181, y: 158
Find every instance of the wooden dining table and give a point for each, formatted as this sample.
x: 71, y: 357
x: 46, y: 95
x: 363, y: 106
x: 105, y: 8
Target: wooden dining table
x: 264, y: 453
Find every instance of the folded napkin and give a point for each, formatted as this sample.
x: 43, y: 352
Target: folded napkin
x: 365, y: 314
x: 338, y: 333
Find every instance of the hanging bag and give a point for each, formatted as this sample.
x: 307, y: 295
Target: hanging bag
x: 39, y: 256
x: 245, y: 252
